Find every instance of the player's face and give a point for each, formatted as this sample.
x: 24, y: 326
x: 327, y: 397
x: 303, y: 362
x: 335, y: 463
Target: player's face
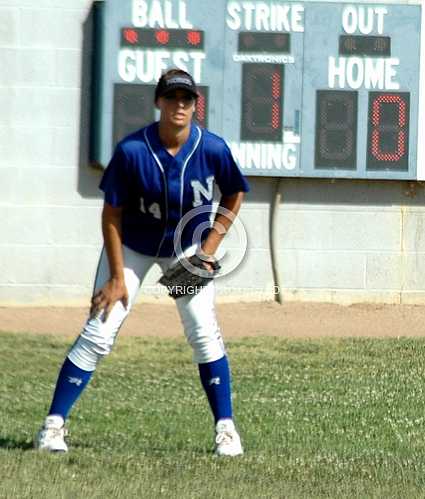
x: 177, y: 108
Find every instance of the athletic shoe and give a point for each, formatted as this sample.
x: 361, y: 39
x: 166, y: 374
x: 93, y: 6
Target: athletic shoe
x: 51, y: 437
x: 227, y: 440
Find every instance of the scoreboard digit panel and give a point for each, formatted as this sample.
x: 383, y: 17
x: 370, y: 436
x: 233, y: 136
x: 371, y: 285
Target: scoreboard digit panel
x: 263, y: 65
x: 308, y: 89
x: 336, y: 129
x: 262, y: 102
x: 132, y: 108
x: 388, y: 130
x: 363, y: 84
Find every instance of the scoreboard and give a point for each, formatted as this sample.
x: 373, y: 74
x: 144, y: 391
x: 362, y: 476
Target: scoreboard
x: 297, y: 89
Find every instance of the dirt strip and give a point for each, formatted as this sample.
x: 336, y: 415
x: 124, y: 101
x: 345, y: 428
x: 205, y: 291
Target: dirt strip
x: 293, y: 320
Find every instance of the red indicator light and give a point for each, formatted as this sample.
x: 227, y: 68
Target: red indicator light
x: 131, y: 36
x: 194, y: 37
x: 162, y: 37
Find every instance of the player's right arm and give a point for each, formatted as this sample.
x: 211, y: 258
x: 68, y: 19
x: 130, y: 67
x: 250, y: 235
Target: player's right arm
x: 115, y: 289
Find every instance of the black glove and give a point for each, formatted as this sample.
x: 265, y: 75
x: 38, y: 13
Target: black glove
x: 189, y: 276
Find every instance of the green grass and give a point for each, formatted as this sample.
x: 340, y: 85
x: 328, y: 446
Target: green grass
x: 329, y: 418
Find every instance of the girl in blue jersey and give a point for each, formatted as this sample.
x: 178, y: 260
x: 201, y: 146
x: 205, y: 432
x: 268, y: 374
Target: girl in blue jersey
x: 156, y: 176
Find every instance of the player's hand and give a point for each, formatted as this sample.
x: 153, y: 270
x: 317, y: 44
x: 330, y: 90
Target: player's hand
x: 113, y: 291
x: 207, y: 260
x: 209, y: 267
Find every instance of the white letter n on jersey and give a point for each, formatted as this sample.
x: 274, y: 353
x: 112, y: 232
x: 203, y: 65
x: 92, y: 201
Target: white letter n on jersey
x: 199, y: 189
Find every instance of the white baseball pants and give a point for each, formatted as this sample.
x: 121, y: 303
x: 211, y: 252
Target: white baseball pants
x: 197, y: 313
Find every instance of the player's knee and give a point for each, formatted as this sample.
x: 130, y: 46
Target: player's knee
x: 85, y: 353
x: 207, y: 345
x: 94, y: 343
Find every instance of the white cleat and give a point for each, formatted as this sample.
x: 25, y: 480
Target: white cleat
x: 51, y: 437
x: 227, y: 440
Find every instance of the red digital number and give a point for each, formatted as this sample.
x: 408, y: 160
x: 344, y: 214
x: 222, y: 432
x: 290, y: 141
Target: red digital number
x: 201, y: 111
x: 381, y: 126
x: 261, y: 117
x: 276, y: 85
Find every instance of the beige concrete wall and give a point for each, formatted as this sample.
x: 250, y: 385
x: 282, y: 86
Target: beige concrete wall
x: 342, y: 241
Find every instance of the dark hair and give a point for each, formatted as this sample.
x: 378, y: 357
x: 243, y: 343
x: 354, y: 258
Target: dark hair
x: 168, y: 82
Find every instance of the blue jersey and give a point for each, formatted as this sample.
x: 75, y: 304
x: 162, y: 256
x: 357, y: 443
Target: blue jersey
x: 157, y: 189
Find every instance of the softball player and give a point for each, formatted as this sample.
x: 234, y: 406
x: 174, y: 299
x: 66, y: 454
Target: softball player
x: 156, y: 176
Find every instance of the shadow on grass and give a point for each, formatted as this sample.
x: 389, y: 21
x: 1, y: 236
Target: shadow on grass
x: 11, y: 443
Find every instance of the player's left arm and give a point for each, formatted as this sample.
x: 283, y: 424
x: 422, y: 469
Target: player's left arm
x: 222, y: 222
x: 233, y: 186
